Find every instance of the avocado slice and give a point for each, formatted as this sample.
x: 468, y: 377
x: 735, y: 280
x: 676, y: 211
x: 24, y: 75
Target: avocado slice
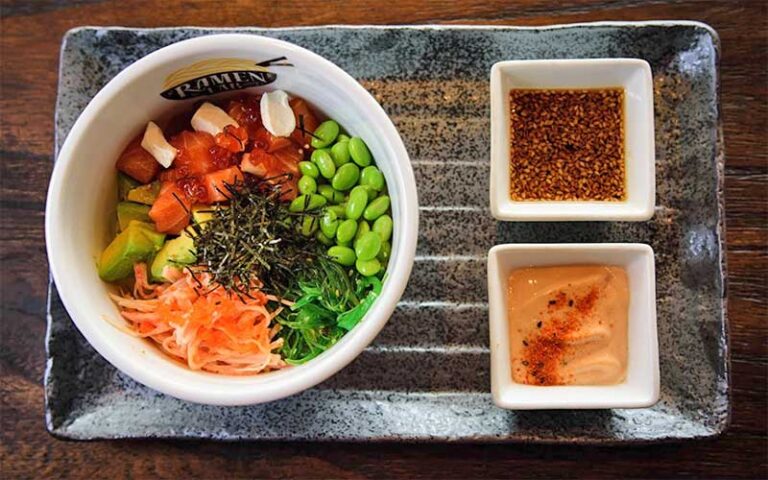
x: 176, y: 252
x: 129, y: 211
x: 202, y: 214
x: 158, y: 239
x: 124, y: 185
x: 134, y: 244
x: 146, y: 194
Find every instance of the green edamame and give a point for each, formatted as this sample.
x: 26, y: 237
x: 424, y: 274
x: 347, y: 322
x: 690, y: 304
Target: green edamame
x: 330, y: 194
x: 316, y: 154
x: 305, y: 203
x: 309, y: 169
x: 368, y: 246
x: 309, y: 225
x: 346, y: 177
x: 329, y: 223
x: 355, y: 221
x: 324, y: 163
x: 372, y: 177
x: 383, y: 226
x: 324, y: 239
x: 368, y: 268
x: 358, y: 199
x: 359, y: 152
x: 377, y: 208
x: 307, y: 185
x: 342, y: 255
x: 325, y: 134
x: 362, y: 228
x: 346, y: 231
x: 369, y: 191
x: 340, y: 153
x: 339, y: 210
x: 385, y: 252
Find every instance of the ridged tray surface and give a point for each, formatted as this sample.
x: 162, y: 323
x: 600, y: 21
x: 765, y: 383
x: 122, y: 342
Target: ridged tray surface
x: 426, y: 377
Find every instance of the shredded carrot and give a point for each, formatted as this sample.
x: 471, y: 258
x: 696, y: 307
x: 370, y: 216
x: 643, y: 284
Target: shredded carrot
x: 208, y: 329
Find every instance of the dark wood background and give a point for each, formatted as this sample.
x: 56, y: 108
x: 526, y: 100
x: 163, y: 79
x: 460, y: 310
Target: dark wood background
x: 31, y: 33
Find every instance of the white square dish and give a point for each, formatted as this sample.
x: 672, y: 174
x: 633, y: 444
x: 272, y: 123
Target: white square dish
x: 634, y: 77
x: 641, y: 387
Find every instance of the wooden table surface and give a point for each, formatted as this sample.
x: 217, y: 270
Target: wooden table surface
x: 30, y: 35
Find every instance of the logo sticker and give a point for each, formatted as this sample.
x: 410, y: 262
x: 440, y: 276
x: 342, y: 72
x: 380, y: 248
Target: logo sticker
x: 208, y: 77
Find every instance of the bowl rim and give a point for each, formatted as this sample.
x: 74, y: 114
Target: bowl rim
x: 218, y: 390
x: 558, y: 397
x: 641, y: 209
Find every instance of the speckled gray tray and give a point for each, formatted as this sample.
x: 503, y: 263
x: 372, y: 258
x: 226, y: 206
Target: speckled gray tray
x: 426, y: 377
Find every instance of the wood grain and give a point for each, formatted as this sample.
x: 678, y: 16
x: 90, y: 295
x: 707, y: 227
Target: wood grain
x: 30, y: 34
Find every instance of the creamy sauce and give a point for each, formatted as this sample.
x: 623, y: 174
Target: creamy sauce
x: 568, y: 325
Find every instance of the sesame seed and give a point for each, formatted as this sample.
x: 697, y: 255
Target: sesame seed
x: 567, y: 145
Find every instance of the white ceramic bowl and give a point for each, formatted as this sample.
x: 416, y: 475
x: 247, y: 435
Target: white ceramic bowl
x: 634, y: 76
x: 641, y: 387
x: 81, y: 201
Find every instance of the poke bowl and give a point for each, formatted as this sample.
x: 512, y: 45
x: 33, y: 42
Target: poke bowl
x: 197, y: 81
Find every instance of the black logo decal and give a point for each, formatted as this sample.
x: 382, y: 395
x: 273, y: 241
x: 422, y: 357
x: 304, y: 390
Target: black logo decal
x: 220, y: 79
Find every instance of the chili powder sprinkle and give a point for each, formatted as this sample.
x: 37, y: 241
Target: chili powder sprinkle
x: 545, y: 351
x: 567, y: 145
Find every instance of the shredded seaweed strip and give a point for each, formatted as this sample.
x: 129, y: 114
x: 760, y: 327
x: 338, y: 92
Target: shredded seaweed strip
x: 253, y: 240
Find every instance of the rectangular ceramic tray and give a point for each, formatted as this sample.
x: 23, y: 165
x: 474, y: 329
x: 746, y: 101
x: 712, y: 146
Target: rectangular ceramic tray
x: 426, y: 377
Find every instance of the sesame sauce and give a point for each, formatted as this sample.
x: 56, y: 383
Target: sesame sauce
x: 567, y: 145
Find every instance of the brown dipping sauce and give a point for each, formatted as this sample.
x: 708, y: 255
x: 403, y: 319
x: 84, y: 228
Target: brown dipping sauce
x: 567, y: 145
x: 568, y: 325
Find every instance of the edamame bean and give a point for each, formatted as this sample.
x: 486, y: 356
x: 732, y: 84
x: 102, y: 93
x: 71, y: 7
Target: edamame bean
x: 340, y: 153
x: 330, y: 194
x: 316, y: 154
x: 346, y: 177
x: 304, y: 203
x: 322, y: 238
x: 342, y: 255
x: 325, y: 134
x: 307, y: 185
x: 343, y: 137
x: 368, y: 268
x: 359, y: 152
x: 383, y: 226
x: 329, y: 223
x: 372, y: 177
x: 346, y: 231
x: 384, y: 253
x: 358, y: 199
x: 368, y: 246
x: 309, y: 169
x: 369, y: 192
x: 339, y: 210
x: 377, y: 208
x: 362, y: 228
x: 324, y: 163
x: 309, y: 225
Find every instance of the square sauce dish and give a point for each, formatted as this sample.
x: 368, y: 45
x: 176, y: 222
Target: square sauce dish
x: 572, y: 140
x: 573, y: 326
